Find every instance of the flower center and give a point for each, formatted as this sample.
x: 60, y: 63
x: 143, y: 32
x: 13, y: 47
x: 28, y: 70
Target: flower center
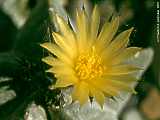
x: 89, y: 66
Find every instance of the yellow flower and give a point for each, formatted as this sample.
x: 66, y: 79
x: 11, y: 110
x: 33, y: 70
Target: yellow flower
x: 93, y: 61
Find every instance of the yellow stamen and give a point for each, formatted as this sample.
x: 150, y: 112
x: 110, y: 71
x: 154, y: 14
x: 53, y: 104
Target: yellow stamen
x: 89, y: 66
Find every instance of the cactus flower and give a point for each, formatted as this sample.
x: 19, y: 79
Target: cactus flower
x: 90, y: 59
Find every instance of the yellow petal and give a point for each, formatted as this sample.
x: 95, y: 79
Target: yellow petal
x: 82, y: 27
x: 81, y: 93
x: 65, y: 81
x: 66, y: 31
x: 99, y: 96
x: 61, y: 70
x: 60, y: 40
x: 121, y: 40
x: 125, y: 55
x: 62, y: 43
x: 48, y: 46
x: 122, y: 69
x: 95, y: 21
x: 50, y: 60
x: 123, y: 78
x: 100, y: 84
x: 57, y: 51
x: 107, y: 33
x: 120, y: 86
x: 117, y: 45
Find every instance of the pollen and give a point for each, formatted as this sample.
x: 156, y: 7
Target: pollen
x: 89, y: 66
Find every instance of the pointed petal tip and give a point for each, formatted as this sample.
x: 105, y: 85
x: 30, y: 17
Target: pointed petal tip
x: 116, y: 19
x: 49, y: 71
x: 44, y: 45
x: 101, y: 105
x: 131, y: 29
x: 134, y: 92
x: 139, y: 68
x: 43, y: 60
x: 139, y: 49
x: 46, y: 59
x: 54, y: 34
x: 96, y: 8
x: 59, y: 19
x: 52, y: 87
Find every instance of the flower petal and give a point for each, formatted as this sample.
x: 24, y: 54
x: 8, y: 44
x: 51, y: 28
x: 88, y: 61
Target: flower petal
x: 57, y: 51
x: 100, y: 84
x: 64, y: 82
x: 50, y: 60
x: 122, y: 69
x: 119, y: 43
x: 81, y: 92
x: 107, y: 33
x: 95, y: 21
x: 66, y: 31
x: 63, y: 44
x: 121, y: 40
x: 99, y: 96
x: 125, y: 55
x: 83, y: 29
x: 119, y: 85
x: 61, y: 70
x: 129, y: 78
